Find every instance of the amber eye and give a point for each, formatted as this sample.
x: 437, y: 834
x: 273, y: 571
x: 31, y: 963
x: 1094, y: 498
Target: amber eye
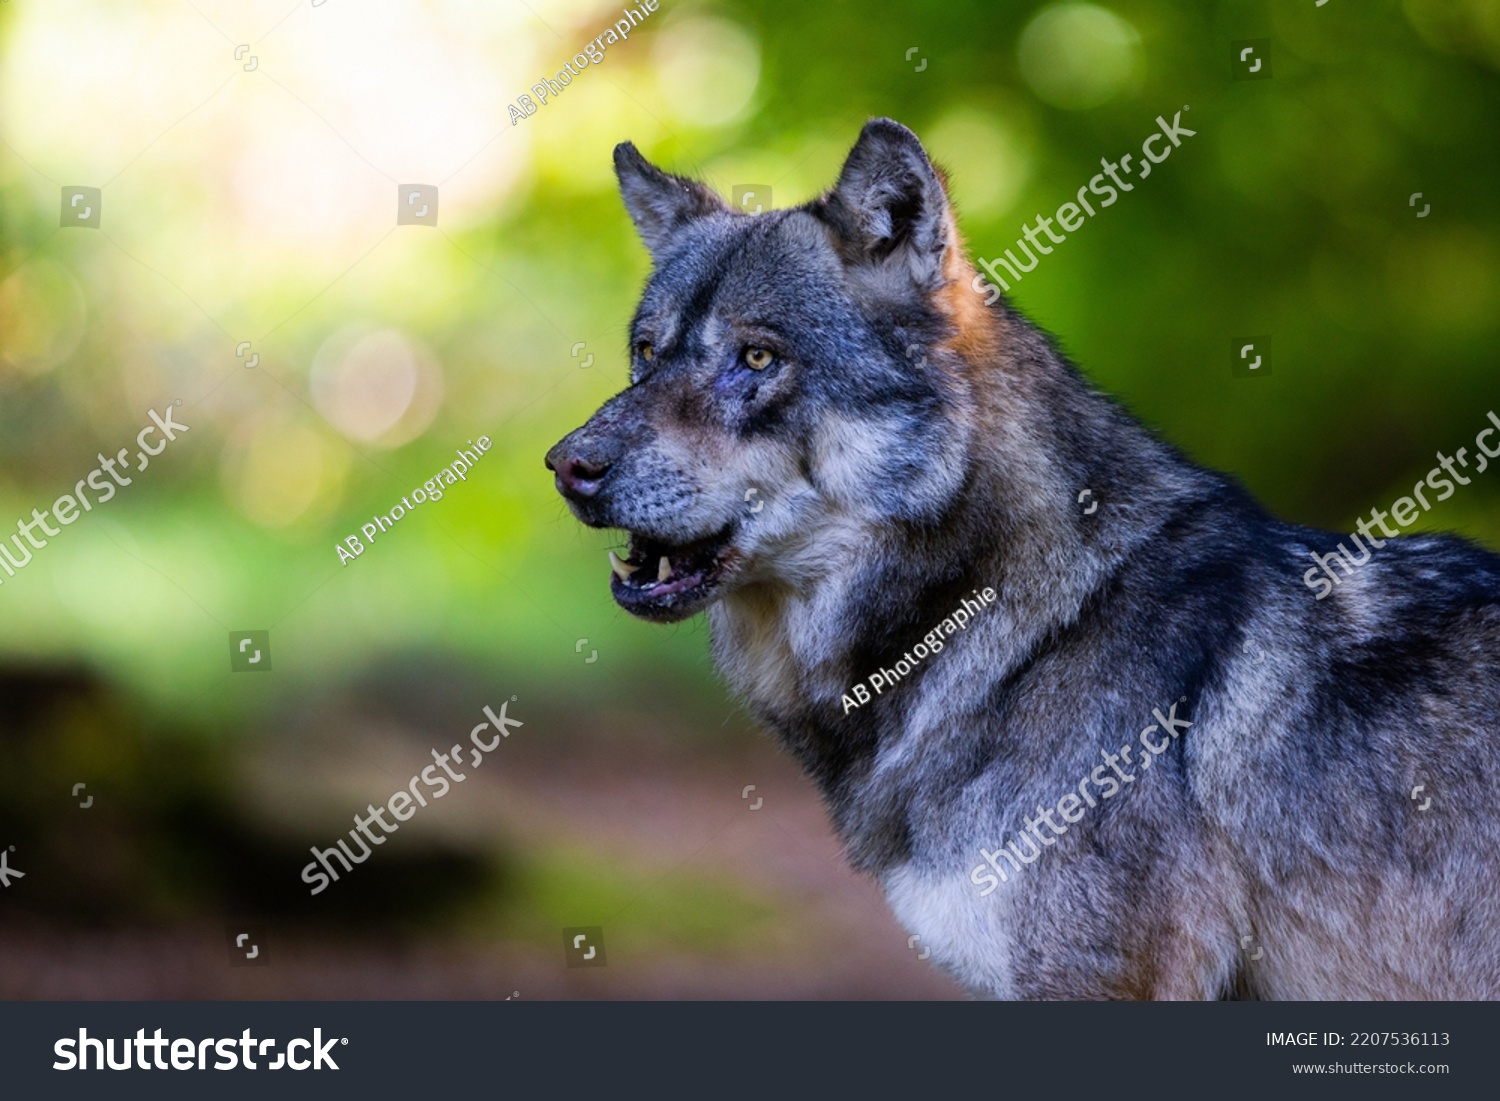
x: 648, y: 353
x: 758, y: 359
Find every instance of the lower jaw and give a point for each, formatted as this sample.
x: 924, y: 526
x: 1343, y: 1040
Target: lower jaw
x: 669, y: 598
x: 668, y: 608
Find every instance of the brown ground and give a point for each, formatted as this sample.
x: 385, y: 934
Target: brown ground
x: 664, y: 824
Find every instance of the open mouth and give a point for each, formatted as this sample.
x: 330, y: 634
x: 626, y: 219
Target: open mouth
x: 667, y: 581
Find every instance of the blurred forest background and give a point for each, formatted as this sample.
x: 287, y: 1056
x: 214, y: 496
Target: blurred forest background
x: 250, y: 195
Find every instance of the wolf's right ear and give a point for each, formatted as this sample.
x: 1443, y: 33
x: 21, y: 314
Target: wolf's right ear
x: 889, y: 208
x: 660, y: 203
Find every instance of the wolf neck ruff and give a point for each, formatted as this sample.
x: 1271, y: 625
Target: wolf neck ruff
x: 931, y: 643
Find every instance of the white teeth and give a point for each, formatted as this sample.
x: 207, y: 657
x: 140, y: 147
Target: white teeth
x: 664, y: 568
x: 623, y: 570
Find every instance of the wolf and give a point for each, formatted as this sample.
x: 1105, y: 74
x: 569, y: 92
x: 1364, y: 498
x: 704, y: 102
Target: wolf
x: 829, y: 443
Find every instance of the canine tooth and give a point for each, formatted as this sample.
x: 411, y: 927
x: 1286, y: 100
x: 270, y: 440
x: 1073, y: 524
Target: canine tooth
x: 664, y: 568
x: 623, y: 570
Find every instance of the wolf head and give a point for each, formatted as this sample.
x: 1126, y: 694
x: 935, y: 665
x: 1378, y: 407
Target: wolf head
x: 797, y: 380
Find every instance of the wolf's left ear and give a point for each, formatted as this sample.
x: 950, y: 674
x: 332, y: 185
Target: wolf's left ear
x: 660, y: 203
x: 889, y: 206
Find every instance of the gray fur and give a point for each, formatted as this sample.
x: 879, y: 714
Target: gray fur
x: 910, y: 447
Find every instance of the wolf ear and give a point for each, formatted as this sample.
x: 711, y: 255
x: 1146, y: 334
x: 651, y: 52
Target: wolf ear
x: 659, y: 203
x: 889, y: 206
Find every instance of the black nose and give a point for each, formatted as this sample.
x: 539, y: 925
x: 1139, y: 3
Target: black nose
x: 576, y: 476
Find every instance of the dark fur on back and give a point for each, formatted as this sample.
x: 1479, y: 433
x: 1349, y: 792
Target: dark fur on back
x: 911, y: 447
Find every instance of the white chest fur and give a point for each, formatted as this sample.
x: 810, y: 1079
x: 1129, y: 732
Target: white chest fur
x: 968, y: 935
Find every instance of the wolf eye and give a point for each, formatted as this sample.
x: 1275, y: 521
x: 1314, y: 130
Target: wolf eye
x: 758, y: 359
x: 648, y: 353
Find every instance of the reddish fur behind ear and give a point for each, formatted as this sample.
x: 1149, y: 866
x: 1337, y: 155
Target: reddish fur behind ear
x: 976, y: 328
